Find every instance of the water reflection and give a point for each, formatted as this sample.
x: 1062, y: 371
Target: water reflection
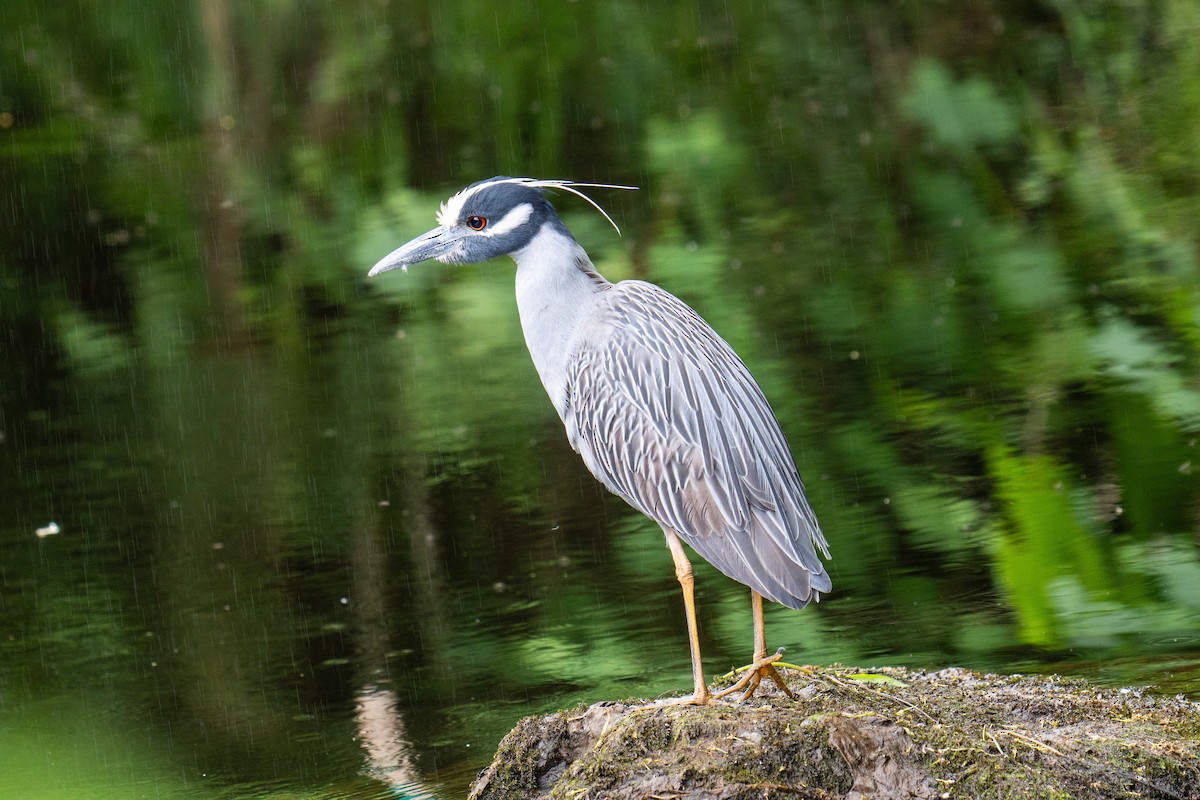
x: 357, y: 568
x: 385, y: 742
x: 355, y: 565
x: 379, y: 714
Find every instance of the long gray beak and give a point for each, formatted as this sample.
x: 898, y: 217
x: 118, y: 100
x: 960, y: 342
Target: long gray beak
x: 434, y: 244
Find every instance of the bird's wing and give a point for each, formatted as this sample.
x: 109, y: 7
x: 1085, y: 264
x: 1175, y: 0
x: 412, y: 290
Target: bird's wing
x: 668, y: 417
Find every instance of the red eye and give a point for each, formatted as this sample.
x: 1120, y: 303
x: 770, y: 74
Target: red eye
x: 476, y: 223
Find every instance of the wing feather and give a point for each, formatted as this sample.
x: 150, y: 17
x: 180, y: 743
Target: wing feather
x: 668, y: 417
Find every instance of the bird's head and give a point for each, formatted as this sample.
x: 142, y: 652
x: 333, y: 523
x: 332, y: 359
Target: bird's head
x: 487, y: 219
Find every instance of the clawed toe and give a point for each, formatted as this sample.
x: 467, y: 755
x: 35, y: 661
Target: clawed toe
x: 763, y: 667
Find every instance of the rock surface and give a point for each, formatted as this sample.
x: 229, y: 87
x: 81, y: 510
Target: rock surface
x: 888, y: 734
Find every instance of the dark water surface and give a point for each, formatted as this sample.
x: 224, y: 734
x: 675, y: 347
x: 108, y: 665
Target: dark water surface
x: 348, y: 575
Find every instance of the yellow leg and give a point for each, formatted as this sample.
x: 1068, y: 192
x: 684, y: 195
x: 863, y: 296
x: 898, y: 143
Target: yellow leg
x: 763, y: 666
x: 683, y: 571
x: 760, y: 627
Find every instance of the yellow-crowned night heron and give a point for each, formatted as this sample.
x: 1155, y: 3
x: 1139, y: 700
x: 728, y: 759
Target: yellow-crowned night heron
x: 662, y: 410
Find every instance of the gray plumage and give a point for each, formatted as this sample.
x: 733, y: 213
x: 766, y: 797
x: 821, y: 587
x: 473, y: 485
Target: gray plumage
x: 661, y: 409
x: 667, y: 416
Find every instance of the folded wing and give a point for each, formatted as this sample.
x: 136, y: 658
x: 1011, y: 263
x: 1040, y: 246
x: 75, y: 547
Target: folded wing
x: 667, y: 416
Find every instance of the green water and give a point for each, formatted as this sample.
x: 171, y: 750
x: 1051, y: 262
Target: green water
x: 320, y: 536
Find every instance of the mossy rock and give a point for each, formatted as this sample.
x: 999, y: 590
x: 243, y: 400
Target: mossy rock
x: 891, y: 734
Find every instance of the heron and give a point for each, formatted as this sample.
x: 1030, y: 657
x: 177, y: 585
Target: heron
x: 661, y: 409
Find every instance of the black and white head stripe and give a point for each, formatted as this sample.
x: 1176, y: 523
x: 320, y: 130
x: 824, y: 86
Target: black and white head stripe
x: 452, y: 210
x: 488, y: 219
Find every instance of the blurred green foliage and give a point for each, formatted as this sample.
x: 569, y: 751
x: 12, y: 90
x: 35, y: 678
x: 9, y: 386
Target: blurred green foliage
x: 991, y: 210
x: 956, y: 243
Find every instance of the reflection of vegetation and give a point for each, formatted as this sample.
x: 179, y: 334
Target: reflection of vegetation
x: 958, y: 250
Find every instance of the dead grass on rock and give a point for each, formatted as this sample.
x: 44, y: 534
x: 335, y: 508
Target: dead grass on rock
x: 898, y: 734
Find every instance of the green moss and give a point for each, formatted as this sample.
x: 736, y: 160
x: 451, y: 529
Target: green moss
x: 956, y: 732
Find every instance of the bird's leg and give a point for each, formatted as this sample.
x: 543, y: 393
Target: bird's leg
x: 763, y: 665
x: 760, y: 626
x: 683, y: 571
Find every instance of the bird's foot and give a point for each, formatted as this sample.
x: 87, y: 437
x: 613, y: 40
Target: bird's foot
x: 695, y: 699
x: 698, y: 698
x: 753, y: 675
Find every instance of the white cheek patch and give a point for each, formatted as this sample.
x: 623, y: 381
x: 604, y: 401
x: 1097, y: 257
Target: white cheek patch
x: 510, y: 221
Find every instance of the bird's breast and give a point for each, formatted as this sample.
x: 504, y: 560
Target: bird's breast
x: 557, y: 294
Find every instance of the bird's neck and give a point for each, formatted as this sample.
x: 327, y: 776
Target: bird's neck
x: 556, y: 288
